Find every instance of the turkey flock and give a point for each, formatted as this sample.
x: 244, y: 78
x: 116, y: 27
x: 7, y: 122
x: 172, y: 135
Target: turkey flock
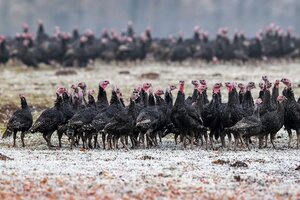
x: 81, y: 49
x: 151, y: 115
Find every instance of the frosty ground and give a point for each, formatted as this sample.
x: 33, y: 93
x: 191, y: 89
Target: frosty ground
x: 162, y: 172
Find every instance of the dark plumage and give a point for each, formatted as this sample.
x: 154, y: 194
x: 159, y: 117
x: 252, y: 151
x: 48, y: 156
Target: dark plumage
x: 50, y: 120
x: 247, y: 101
x: 81, y: 122
x: 106, y: 114
x: 273, y: 121
x: 185, y: 117
x: 123, y: 124
x: 21, y: 120
x: 152, y: 119
x: 231, y: 112
x: 292, y: 112
x: 102, y: 101
x: 4, y: 52
x: 211, y: 114
x: 248, y: 126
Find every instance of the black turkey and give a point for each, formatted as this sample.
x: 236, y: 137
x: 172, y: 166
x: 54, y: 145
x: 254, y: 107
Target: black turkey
x: 21, y: 120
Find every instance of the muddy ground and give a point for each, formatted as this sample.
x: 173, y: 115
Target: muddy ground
x: 163, y: 172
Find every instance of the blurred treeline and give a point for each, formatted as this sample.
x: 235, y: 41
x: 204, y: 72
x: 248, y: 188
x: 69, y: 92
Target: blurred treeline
x: 165, y: 16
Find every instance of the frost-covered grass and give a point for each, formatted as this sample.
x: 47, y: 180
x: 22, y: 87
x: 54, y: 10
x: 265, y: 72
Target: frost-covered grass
x: 166, y: 172
x: 163, y: 172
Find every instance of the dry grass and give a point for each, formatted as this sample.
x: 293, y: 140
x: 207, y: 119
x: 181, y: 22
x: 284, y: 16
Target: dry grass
x: 166, y: 172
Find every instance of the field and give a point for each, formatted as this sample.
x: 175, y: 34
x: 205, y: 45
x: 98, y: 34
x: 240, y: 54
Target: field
x: 163, y: 172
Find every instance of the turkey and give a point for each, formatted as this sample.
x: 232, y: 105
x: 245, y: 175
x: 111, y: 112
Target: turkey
x: 21, y: 120
x: 56, y: 47
x: 204, y: 93
x: 242, y: 92
x: 247, y: 101
x: 81, y: 123
x: 82, y: 86
x: 105, y: 115
x: 273, y: 121
x: 180, y: 51
x: 231, y: 112
x: 102, y: 101
x: 152, y: 119
x: 41, y: 36
x: 211, y: 114
x: 199, y: 106
x: 130, y: 31
x: 4, y: 51
x: 133, y: 49
x: 261, y: 91
x: 50, y: 120
x: 275, y: 93
x: 28, y: 54
x: 292, y: 112
x: 248, y: 126
x: 194, y: 97
x: 123, y: 124
x: 68, y: 112
x: 169, y: 101
x: 267, y: 105
x: 185, y: 117
x: 78, y: 54
x: 144, y: 94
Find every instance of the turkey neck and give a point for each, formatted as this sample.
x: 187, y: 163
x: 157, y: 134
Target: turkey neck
x: 200, y: 102
x: 233, y: 98
x: 151, y: 100
x: 41, y: 29
x: 275, y: 93
x: 24, y: 103
x: 241, y: 97
x: 195, y: 95
x: 179, y: 99
x: 280, y: 110
x: 256, y: 112
x: 64, y: 45
x: 102, y: 97
x: 114, y: 98
x: 216, y: 98
x: 76, y: 104
x: 267, y: 98
x: 84, y: 100
x: 205, y: 98
x: 131, y: 106
x: 248, y: 99
x: 144, y: 97
x: 75, y: 35
x: 159, y: 101
x: 66, y: 98
x: 289, y: 94
x: 149, y: 36
x: 169, y: 99
x: 261, y: 95
x: 3, y: 45
x: 91, y: 101
x: 58, y: 103
x: 122, y: 102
